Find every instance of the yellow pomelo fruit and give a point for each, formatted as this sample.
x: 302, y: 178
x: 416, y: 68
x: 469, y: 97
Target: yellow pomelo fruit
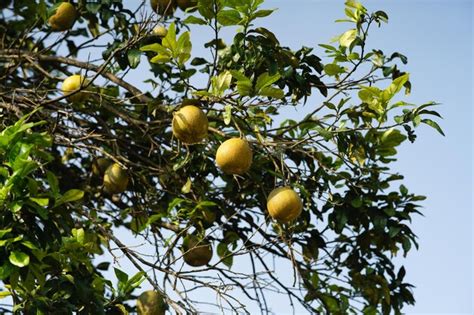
x: 160, y: 31
x: 115, y: 179
x: 196, y: 252
x: 284, y: 204
x: 190, y: 124
x: 186, y: 4
x: 234, y: 156
x: 100, y: 165
x: 151, y: 303
x: 163, y: 7
x: 64, y: 17
x: 73, y: 83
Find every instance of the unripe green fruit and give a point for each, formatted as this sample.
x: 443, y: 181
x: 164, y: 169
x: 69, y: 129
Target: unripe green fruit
x: 163, y: 7
x: 151, y: 303
x: 196, y: 252
x: 186, y: 4
x: 115, y: 179
x: 100, y: 165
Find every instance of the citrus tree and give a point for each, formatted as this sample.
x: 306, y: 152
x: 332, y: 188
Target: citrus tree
x: 227, y: 196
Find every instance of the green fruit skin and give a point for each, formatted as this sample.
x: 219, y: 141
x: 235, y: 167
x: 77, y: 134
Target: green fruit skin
x: 163, y: 7
x: 151, y: 303
x: 186, y: 4
x: 100, y: 165
x: 196, y: 252
x: 115, y: 179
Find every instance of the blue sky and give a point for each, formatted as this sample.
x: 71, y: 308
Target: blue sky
x: 436, y: 36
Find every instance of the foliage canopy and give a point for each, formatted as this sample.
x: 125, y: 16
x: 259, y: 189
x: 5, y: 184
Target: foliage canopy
x: 57, y: 222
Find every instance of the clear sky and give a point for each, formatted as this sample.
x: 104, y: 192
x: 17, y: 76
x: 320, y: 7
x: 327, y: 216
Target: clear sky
x: 437, y: 38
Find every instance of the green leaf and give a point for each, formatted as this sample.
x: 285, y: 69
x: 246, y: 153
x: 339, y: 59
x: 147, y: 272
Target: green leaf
x: 29, y: 244
x: 69, y: 196
x: 53, y: 183
x: 244, y: 88
x: 4, y: 232
x: 5, y: 270
x: 121, y: 276
x: 157, y: 48
x: 4, y: 294
x: 265, y: 79
x: 43, y: 10
x: 267, y: 33
x: 244, y: 84
x: 160, y: 59
x: 272, y: 92
x: 229, y: 17
x: 186, y: 187
x: 169, y: 41
x: 44, y: 202
x: 328, y: 48
x: 19, y: 259
x: 133, y: 56
x: 326, y: 134
x: 183, y: 48
x: 433, y: 124
x: 194, y: 20
x: 221, y: 83
x: 348, y: 37
x: 332, y: 69
x: 392, y: 137
x: 79, y: 235
x: 395, y: 86
x: 135, y: 281
x: 225, y: 254
x: 206, y: 8
x: 228, y: 114
x: 262, y: 13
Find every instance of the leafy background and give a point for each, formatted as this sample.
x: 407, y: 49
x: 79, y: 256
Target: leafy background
x: 79, y: 236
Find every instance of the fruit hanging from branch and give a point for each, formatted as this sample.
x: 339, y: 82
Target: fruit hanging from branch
x: 163, y: 7
x: 234, y: 156
x: 284, y: 204
x: 64, y: 17
x: 190, y: 124
x: 115, y: 179
x: 186, y: 4
x: 160, y: 31
x: 74, y: 83
x: 100, y: 165
x: 196, y: 251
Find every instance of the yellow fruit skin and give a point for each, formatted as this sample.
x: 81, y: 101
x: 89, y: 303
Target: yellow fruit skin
x: 115, y: 179
x: 186, y: 4
x: 100, y: 165
x: 160, y: 31
x: 284, y: 204
x: 234, y: 156
x: 196, y: 252
x: 64, y: 17
x: 163, y: 7
x: 151, y: 303
x: 190, y: 124
x: 74, y: 83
